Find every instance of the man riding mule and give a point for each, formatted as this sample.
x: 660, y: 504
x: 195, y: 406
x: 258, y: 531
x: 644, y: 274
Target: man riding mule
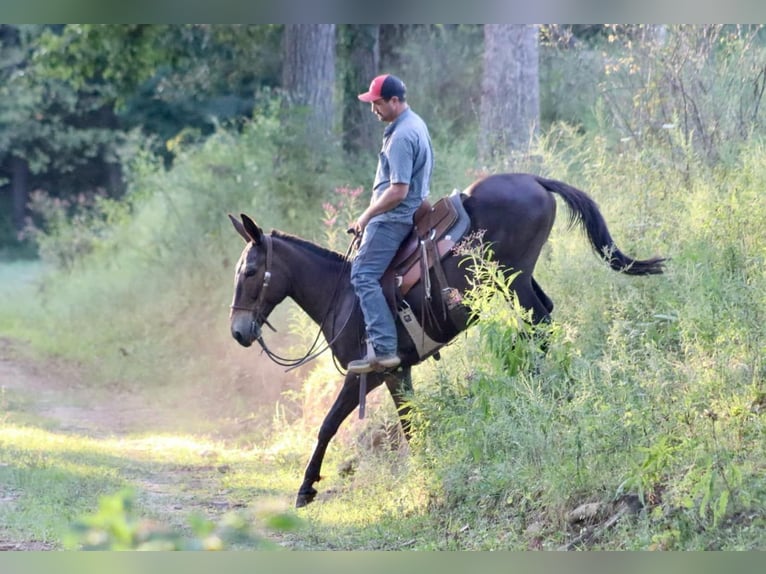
x: 401, y: 185
x: 514, y: 213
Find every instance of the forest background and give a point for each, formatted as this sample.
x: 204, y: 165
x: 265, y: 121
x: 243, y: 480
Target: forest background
x: 124, y: 146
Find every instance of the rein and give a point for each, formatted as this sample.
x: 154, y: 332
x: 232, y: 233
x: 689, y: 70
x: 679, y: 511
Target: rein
x: 312, y: 352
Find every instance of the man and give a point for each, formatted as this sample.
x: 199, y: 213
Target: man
x: 401, y: 184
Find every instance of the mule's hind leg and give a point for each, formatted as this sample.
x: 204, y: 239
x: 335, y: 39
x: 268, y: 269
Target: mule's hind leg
x: 531, y: 296
x: 527, y: 291
x: 544, y: 299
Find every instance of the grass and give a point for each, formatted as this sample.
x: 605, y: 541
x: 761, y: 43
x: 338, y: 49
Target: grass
x: 51, y: 480
x: 19, y: 287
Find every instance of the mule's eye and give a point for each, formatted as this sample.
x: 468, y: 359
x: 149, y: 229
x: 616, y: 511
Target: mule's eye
x: 250, y: 272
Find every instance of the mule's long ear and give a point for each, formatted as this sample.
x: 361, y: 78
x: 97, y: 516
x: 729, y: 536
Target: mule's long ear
x: 251, y: 229
x: 239, y: 227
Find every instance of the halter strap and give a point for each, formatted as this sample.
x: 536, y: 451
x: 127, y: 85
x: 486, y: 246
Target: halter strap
x: 256, y: 308
x: 267, y: 268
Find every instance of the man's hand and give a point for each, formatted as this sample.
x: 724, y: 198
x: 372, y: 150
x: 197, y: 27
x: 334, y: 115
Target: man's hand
x: 362, y: 222
x: 387, y: 201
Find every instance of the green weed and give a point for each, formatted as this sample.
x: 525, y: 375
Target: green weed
x: 116, y: 526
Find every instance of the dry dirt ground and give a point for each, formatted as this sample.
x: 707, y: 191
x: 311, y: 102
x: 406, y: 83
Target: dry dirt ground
x: 63, y: 393
x: 57, y: 392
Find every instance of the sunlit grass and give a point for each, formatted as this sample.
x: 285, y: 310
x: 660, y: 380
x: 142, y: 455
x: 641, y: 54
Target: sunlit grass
x: 160, y: 449
x: 51, y: 478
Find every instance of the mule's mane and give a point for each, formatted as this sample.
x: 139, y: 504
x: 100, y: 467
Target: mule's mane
x: 323, y: 252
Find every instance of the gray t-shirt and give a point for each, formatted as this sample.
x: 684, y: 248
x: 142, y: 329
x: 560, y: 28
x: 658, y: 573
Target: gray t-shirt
x: 406, y: 157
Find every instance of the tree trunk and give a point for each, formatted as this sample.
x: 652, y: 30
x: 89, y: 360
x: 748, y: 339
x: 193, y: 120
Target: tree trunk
x: 115, y: 184
x: 510, y: 98
x: 308, y: 72
x: 361, y: 51
x: 19, y: 191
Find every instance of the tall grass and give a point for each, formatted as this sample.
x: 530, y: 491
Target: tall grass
x: 651, y: 387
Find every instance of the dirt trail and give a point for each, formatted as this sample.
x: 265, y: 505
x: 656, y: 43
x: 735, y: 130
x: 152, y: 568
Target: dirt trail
x: 52, y: 391
x: 56, y: 391
x: 59, y: 394
x: 63, y: 393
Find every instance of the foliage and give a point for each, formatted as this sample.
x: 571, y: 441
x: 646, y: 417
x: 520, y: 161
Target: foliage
x: 421, y: 59
x: 73, y: 94
x: 648, y: 388
x: 166, y: 78
x: 494, y: 305
x: 570, y: 76
x: 339, y: 214
x: 306, y: 171
x: 115, y: 526
x: 71, y: 228
x: 706, y: 80
x: 45, y: 121
x: 203, y: 60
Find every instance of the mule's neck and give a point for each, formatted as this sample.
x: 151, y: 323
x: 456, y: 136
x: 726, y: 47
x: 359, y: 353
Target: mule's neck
x: 313, y: 277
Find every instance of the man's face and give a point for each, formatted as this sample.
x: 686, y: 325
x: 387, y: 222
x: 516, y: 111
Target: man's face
x: 385, y: 110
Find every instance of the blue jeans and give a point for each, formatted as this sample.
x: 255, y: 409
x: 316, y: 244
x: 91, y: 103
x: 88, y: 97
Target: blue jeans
x: 380, y: 242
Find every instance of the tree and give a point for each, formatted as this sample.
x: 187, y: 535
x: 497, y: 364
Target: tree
x: 70, y: 93
x: 360, y: 50
x: 48, y: 131
x: 16, y: 106
x: 167, y: 78
x: 308, y: 73
x: 510, y: 98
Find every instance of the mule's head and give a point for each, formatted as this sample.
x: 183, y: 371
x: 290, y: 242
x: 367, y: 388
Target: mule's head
x: 252, y: 302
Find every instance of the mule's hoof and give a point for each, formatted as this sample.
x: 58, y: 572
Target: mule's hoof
x: 305, y: 498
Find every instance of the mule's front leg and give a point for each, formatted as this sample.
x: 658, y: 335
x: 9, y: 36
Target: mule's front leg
x: 344, y: 404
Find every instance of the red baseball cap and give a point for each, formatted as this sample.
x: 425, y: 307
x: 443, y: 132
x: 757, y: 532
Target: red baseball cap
x: 384, y: 86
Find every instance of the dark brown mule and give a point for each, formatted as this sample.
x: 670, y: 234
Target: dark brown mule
x: 515, y: 212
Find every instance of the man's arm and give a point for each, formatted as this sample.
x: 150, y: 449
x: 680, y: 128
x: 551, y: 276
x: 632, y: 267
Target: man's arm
x: 387, y: 200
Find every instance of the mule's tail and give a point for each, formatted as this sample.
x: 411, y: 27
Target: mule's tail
x: 583, y: 210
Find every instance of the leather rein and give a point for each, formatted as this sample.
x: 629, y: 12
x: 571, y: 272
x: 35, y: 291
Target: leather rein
x: 258, y: 315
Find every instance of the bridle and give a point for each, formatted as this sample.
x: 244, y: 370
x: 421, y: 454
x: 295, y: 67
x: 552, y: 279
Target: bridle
x: 257, y: 314
x: 256, y: 308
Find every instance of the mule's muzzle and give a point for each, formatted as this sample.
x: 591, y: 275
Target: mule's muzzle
x: 245, y: 342
x: 245, y: 329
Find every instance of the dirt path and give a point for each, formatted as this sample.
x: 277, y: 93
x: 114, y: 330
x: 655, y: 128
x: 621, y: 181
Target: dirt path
x: 52, y: 391
x: 56, y: 391
x: 57, y: 395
